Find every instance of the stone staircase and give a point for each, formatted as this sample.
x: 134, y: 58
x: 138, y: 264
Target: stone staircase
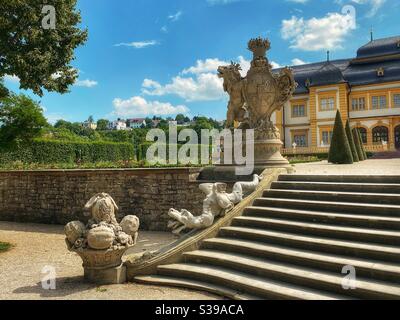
x: 294, y: 242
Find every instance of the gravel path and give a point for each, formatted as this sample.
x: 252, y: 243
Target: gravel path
x: 368, y: 167
x: 37, y: 246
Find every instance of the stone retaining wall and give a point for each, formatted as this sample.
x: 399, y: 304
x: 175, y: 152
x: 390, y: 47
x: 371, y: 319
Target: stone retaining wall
x: 58, y: 196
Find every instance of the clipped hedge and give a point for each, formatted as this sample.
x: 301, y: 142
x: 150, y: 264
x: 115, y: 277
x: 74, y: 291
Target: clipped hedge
x: 51, y: 151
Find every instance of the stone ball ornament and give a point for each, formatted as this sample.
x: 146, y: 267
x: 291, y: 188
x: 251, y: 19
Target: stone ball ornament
x: 102, y: 242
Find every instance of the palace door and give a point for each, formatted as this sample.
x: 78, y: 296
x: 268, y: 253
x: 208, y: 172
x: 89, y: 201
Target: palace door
x: 397, y: 137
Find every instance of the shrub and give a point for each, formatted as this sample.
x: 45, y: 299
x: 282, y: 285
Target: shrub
x: 340, y: 151
x: 52, y: 151
x: 351, y: 142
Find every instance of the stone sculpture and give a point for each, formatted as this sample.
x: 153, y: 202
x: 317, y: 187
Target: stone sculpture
x: 217, y: 203
x: 102, y: 242
x: 255, y: 98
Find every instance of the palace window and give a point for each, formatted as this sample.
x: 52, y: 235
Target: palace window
x: 380, y: 134
x: 327, y: 104
x: 298, y: 110
x: 300, y: 140
x: 379, y: 102
x: 327, y: 137
x: 396, y: 100
x: 363, y: 134
x: 358, y: 104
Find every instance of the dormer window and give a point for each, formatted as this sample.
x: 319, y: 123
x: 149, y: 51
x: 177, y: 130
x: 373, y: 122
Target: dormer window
x: 380, y: 72
x: 308, y: 82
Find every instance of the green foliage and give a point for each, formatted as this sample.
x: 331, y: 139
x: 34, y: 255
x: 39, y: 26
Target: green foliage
x: 102, y: 124
x: 350, y: 138
x: 35, y: 54
x: 340, y: 151
x: 21, y: 120
x: 5, y: 246
x: 48, y: 151
x: 358, y: 143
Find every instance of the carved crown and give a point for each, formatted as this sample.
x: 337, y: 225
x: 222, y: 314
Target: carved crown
x: 259, y: 46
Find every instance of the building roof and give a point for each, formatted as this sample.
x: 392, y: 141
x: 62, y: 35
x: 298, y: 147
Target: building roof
x: 137, y: 120
x: 353, y: 71
x: 380, y: 47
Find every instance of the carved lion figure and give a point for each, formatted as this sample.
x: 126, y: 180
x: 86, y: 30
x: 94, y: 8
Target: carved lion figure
x: 234, y: 86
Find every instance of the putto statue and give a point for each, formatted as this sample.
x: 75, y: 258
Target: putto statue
x: 217, y: 203
x: 256, y: 97
x: 102, y: 242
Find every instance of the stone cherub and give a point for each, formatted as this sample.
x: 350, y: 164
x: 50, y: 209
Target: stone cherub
x: 216, y: 204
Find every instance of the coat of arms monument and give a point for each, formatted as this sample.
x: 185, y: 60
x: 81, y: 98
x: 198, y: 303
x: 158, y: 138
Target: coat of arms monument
x: 255, y: 98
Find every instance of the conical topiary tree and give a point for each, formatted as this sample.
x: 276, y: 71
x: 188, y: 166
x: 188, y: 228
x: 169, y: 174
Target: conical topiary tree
x: 357, y: 141
x: 362, y: 146
x: 351, y: 142
x: 340, y: 151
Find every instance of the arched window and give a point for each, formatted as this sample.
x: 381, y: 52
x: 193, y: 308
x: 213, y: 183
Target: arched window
x: 363, y: 134
x: 380, y: 134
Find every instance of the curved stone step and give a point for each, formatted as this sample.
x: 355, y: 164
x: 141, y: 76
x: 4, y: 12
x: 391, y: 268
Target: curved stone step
x: 341, y: 178
x: 344, y: 207
x: 334, y: 196
x: 338, y: 186
x: 314, y: 259
x: 303, y: 276
x: 335, y: 218
x: 243, y: 282
x: 309, y: 242
x: 329, y: 231
x: 195, y: 285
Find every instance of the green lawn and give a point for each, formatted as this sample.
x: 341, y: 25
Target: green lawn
x: 4, y: 246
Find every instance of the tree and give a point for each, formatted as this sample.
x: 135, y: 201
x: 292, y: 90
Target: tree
x: 102, y: 124
x: 21, y: 120
x: 90, y: 119
x: 180, y: 118
x: 40, y: 57
x: 340, y: 151
x: 358, y: 142
x: 351, y: 142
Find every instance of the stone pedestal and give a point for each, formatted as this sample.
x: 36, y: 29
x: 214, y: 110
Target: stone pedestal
x: 116, y: 275
x: 268, y: 153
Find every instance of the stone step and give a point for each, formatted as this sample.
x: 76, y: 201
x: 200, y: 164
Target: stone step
x: 334, y: 196
x: 322, y: 230
x: 336, y: 218
x: 303, y: 276
x: 343, y: 207
x: 244, y: 282
x: 366, y: 268
x: 336, y: 186
x: 357, y: 249
x: 341, y: 178
x: 195, y: 285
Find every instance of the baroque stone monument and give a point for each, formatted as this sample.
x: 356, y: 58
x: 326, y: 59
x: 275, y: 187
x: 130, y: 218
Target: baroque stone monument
x: 102, y: 242
x: 255, y: 98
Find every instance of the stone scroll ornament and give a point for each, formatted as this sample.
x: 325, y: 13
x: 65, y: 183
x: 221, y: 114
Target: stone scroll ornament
x: 217, y: 203
x: 254, y: 98
x: 102, y: 241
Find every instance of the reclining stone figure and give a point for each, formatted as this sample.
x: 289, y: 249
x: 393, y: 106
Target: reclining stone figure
x: 217, y: 203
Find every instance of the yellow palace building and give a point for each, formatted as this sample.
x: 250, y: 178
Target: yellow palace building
x: 365, y: 89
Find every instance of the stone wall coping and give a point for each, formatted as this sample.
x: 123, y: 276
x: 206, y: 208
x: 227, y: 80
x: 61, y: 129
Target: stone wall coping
x: 111, y: 170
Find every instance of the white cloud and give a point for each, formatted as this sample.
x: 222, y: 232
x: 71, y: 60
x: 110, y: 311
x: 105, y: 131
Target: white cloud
x: 139, y: 106
x: 374, y: 5
x: 203, y: 66
x: 86, y: 83
x: 197, y: 83
x: 137, y: 44
x: 317, y: 33
x: 13, y: 79
x: 298, y: 1
x: 298, y: 62
x: 164, y: 29
x: 176, y: 16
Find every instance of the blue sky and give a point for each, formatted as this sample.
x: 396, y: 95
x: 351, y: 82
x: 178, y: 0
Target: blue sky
x: 157, y: 57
